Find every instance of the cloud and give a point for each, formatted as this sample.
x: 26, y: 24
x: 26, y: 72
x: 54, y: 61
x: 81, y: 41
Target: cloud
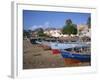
x: 44, y: 26
x: 35, y: 27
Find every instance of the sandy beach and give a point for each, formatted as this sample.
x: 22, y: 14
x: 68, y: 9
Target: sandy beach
x: 35, y: 57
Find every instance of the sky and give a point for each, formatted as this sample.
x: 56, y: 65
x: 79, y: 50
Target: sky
x: 49, y: 19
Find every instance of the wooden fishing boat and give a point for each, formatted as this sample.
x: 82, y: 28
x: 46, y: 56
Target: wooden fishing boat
x: 82, y: 57
x: 56, y: 47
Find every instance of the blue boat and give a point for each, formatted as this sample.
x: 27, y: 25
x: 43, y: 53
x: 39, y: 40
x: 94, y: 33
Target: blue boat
x: 67, y: 45
x: 72, y: 51
x: 82, y: 57
x: 60, y: 48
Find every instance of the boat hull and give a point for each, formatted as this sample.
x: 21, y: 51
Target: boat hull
x: 80, y: 57
x: 55, y: 51
x: 62, y: 46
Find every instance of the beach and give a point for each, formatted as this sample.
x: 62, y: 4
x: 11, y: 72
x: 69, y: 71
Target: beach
x: 35, y: 57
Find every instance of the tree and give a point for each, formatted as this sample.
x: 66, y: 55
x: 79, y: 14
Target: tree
x: 40, y: 33
x: 26, y: 33
x: 69, y: 28
x: 68, y: 22
x: 89, y: 22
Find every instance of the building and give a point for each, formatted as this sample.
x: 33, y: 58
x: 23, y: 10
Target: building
x: 83, y: 30
x: 55, y: 33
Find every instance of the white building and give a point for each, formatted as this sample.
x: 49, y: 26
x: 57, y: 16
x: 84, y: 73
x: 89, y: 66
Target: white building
x: 83, y: 30
x: 55, y: 33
